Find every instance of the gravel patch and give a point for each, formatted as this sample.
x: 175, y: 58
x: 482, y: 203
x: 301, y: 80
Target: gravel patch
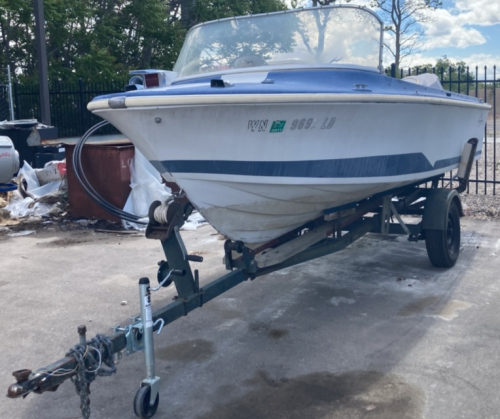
x: 485, y: 169
x: 481, y: 207
x: 483, y: 200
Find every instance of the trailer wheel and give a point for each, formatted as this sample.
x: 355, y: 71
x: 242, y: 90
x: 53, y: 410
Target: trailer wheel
x: 443, y: 246
x: 142, y: 408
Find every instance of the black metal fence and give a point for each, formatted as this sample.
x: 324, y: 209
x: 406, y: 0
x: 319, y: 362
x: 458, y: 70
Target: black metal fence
x: 4, y: 103
x: 484, y: 84
x: 68, y: 104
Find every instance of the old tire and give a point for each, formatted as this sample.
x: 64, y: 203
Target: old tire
x: 443, y: 246
x: 142, y: 408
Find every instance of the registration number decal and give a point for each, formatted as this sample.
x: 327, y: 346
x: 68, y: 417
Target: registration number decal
x: 262, y: 125
x: 312, y: 123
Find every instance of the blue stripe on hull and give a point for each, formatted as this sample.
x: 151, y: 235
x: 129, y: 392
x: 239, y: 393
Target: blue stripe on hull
x: 359, y: 167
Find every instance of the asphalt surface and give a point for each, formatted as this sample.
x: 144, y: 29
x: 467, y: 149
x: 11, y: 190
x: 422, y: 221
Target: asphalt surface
x: 373, y: 331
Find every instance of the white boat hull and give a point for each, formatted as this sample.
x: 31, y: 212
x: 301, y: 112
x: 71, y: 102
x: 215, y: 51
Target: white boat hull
x: 254, y: 185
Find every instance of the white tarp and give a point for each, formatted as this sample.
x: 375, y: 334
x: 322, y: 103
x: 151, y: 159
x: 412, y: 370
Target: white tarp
x: 147, y: 187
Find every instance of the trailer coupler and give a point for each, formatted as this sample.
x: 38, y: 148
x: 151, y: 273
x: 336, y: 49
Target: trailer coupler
x: 83, y: 363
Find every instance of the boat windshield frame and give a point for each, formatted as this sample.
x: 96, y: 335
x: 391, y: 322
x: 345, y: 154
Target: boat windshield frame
x: 190, y: 65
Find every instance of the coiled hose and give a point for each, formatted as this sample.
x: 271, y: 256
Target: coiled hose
x: 80, y: 175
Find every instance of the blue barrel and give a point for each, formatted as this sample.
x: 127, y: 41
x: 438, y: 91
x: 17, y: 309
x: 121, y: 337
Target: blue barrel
x: 7, y: 187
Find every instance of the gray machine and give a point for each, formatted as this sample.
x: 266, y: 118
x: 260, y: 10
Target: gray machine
x: 9, y: 163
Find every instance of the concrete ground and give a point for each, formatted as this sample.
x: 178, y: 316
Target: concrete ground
x: 373, y: 331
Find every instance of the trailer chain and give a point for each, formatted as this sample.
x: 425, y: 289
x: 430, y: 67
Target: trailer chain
x: 80, y: 380
x: 90, y: 360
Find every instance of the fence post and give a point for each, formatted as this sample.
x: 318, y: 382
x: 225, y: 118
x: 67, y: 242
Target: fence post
x: 393, y: 70
x: 467, y: 86
x: 11, y: 104
x: 16, y: 99
x: 485, y: 147
x: 82, y: 113
x: 494, y: 129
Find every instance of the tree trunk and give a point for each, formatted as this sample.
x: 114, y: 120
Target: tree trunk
x: 397, y: 55
x: 186, y: 12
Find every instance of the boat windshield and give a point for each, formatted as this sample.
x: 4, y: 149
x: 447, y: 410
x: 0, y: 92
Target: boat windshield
x: 316, y: 36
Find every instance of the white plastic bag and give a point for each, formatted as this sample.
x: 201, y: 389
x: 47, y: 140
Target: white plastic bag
x: 194, y: 221
x: 29, y: 175
x: 24, y: 207
x: 28, y: 207
x: 146, y: 188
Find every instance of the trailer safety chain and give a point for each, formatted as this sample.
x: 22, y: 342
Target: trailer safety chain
x: 89, y: 366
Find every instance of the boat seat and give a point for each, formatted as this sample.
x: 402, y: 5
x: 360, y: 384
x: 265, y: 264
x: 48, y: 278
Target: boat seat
x: 251, y: 60
x: 426, y: 80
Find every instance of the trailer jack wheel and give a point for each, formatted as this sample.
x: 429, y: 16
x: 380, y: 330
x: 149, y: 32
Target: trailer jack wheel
x: 142, y: 400
x: 443, y: 246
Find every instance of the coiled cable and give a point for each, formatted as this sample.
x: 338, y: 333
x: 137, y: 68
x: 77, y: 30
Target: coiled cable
x: 80, y: 175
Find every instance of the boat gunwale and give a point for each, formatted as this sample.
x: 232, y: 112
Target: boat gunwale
x: 257, y: 99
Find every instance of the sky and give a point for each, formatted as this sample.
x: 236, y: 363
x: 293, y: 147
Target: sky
x: 463, y: 30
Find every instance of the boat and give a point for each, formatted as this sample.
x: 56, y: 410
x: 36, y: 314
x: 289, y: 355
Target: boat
x: 268, y: 121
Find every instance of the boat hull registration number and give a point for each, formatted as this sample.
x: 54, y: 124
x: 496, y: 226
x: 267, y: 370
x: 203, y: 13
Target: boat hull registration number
x: 263, y: 125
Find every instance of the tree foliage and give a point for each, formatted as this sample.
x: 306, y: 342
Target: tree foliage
x: 204, y: 10
x: 403, y: 21
x: 103, y: 39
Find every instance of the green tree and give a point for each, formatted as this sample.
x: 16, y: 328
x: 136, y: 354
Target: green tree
x: 403, y: 21
x: 103, y: 39
x: 16, y: 29
x: 205, y: 10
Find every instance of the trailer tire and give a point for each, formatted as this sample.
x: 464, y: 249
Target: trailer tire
x: 142, y: 398
x: 443, y: 246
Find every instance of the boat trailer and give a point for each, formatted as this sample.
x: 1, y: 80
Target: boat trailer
x: 437, y: 209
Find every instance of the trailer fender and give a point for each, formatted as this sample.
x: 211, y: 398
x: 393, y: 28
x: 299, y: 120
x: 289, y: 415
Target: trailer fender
x: 436, y: 207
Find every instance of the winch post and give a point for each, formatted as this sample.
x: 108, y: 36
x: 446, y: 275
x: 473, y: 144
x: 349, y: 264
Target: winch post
x: 465, y: 166
x: 178, y: 259
x: 386, y: 215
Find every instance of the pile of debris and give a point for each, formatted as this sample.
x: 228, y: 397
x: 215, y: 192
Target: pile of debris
x: 41, y: 201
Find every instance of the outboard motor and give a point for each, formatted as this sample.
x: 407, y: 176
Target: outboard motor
x: 9, y: 163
